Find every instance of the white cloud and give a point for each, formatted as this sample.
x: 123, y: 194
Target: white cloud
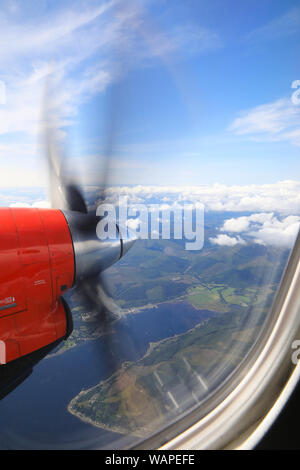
x: 241, y: 224
x: 278, y: 232
x: 276, y: 121
x: 265, y: 229
x: 236, y: 225
x: 225, y: 240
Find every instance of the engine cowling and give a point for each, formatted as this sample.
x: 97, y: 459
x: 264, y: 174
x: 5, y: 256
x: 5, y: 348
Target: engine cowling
x: 43, y: 253
x: 36, y: 268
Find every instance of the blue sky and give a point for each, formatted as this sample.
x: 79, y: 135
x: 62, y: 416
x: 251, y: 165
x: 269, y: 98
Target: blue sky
x: 196, y: 92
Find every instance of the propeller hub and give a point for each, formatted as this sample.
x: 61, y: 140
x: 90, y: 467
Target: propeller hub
x: 94, y: 255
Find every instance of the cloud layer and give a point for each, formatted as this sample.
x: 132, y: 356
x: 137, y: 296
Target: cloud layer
x: 272, y: 212
x: 264, y: 229
x: 274, y: 209
x: 282, y: 197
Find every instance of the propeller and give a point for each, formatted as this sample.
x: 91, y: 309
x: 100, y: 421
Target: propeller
x: 92, y: 254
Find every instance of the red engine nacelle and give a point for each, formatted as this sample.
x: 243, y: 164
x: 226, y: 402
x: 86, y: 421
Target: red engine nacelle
x: 36, y: 268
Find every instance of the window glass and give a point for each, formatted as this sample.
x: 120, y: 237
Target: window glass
x: 190, y: 115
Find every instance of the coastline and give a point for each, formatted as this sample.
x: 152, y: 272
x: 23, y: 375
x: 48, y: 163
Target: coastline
x: 71, y: 406
x: 125, y: 312
x: 98, y: 424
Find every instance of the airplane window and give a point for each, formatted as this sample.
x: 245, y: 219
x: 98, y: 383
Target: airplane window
x: 180, y: 126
